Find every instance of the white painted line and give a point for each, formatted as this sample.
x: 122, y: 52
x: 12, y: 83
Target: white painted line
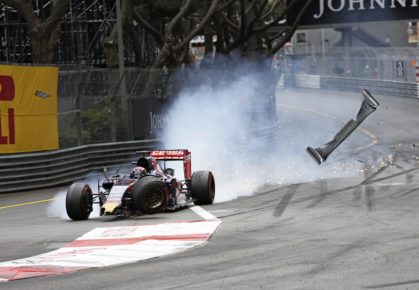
x: 203, y: 213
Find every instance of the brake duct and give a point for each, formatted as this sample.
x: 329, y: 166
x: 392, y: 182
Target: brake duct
x: 368, y: 106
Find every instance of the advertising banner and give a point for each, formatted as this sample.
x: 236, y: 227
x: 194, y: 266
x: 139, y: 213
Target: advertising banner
x: 28, y: 108
x: 149, y: 117
x: 326, y: 12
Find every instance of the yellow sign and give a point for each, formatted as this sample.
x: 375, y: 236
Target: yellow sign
x: 28, y: 108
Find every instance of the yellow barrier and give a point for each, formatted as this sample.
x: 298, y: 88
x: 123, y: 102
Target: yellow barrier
x: 28, y: 108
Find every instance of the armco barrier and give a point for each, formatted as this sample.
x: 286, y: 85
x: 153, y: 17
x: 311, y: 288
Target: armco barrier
x: 391, y: 88
x: 22, y: 172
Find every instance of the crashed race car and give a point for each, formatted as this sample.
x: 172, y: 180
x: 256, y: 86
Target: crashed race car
x: 150, y: 188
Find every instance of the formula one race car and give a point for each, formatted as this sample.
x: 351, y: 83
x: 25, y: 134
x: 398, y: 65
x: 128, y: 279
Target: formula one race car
x: 150, y: 188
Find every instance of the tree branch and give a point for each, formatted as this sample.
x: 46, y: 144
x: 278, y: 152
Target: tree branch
x: 246, y: 30
x: 184, y: 8
x: 271, y: 10
x: 243, y: 20
x: 25, y: 9
x: 148, y: 26
x: 290, y: 32
x: 251, y: 6
x: 257, y: 17
x: 229, y: 22
x: 280, y: 17
x: 225, y: 5
x: 54, y: 18
x: 200, y: 26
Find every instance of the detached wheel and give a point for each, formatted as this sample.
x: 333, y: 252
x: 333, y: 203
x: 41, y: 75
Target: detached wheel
x: 203, y: 187
x: 150, y: 195
x: 79, y: 201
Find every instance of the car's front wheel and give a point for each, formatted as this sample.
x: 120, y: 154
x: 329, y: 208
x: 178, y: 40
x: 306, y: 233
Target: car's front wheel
x: 79, y: 201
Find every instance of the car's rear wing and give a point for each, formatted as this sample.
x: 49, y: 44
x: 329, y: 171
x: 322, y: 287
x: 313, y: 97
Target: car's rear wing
x: 177, y: 154
x: 172, y: 155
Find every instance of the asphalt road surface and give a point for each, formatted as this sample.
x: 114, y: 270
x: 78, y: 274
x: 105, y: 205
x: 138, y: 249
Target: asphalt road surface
x: 355, y: 232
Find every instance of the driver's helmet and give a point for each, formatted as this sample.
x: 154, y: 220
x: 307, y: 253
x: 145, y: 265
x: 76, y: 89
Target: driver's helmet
x: 138, y: 172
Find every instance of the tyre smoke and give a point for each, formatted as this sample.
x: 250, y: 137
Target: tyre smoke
x: 211, y: 118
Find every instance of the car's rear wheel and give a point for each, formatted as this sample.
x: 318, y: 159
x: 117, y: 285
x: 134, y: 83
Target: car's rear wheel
x: 150, y: 195
x: 79, y: 201
x: 203, y: 187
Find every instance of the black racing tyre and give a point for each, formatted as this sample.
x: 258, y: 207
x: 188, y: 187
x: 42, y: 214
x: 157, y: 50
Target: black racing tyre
x: 150, y: 195
x: 79, y: 201
x: 203, y: 187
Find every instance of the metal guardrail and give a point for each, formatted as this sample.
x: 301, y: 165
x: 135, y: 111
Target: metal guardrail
x: 308, y: 81
x: 392, y: 88
x: 22, y: 172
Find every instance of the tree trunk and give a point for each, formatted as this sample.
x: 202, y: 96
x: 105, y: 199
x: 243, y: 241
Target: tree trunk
x: 41, y: 52
x: 43, y: 45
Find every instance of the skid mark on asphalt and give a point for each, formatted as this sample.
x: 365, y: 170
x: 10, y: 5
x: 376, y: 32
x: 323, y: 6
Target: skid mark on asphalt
x: 370, y: 178
x: 329, y: 261
x: 405, y: 158
x: 370, y: 197
x: 323, y: 194
x: 389, y: 285
x: 282, y: 205
x: 405, y: 192
x: 393, y: 175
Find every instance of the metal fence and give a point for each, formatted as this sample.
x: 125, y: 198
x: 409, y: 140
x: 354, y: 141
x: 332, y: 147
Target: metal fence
x: 374, y: 63
x: 95, y: 105
x: 390, y: 88
x: 102, y: 105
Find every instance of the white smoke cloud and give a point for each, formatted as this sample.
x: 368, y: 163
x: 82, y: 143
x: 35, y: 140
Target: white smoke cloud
x: 56, y: 208
x: 208, y: 119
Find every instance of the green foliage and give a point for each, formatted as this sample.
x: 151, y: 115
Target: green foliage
x: 97, y: 122
x: 68, y: 138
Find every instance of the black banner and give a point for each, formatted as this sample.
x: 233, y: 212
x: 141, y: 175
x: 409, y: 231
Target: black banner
x: 149, y: 117
x: 354, y: 11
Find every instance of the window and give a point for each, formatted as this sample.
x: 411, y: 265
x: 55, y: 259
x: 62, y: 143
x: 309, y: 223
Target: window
x: 301, y: 37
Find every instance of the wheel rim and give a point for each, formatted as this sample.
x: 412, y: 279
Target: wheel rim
x: 154, y: 199
x: 86, y: 200
x: 211, y: 188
